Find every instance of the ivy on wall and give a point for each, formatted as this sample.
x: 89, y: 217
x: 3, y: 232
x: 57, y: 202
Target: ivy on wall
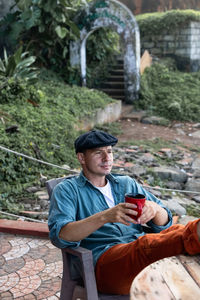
x: 160, y: 22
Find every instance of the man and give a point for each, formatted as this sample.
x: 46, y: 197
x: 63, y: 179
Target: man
x: 89, y: 210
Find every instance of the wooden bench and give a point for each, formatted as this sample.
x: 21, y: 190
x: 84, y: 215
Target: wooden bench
x: 175, y: 278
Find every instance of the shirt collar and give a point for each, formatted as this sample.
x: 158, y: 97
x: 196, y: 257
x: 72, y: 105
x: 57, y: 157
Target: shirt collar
x: 82, y: 180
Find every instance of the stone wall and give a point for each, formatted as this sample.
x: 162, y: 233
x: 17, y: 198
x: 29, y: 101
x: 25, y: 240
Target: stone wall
x: 144, y: 6
x: 182, y: 44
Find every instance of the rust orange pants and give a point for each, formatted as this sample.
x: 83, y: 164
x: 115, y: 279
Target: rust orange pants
x: 119, y: 265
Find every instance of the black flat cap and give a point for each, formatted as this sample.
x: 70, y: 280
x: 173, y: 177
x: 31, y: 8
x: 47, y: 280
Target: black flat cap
x: 94, y: 139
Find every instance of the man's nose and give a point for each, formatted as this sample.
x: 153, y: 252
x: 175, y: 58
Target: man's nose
x: 106, y: 156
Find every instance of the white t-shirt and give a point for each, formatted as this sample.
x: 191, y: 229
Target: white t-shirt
x: 107, y: 192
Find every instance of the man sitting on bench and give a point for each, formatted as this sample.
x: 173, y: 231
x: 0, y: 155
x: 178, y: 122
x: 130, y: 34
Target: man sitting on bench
x: 89, y: 210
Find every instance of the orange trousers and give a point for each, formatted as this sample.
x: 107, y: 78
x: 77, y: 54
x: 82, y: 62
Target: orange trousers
x: 119, y: 265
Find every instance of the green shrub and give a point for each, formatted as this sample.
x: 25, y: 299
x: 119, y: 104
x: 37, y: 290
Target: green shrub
x: 18, y: 65
x: 46, y: 27
x: 15, y: 90
x: 171, y: 94
x: 159, y: 22
x: 46, y: 131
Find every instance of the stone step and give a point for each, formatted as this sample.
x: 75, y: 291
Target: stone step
x: 119, y: 59
x: 127, y: 109
x: 113, y: 84
x: 113, y: 92
x: 117, y: 72
x: 118, y: 66
x: 115, y: 78
x: 118, y: 97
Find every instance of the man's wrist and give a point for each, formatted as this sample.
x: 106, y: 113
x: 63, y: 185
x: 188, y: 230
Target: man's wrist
x: 161, y: 218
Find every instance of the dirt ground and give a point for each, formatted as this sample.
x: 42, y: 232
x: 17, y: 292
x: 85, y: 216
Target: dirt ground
x: 133, y: 129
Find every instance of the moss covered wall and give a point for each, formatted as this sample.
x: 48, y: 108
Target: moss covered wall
x: 183, y: 44
x: 144, y: 6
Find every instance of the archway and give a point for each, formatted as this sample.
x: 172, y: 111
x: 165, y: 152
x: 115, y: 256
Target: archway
x: 115, y: 15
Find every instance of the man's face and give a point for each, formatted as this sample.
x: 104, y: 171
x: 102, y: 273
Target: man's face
x: 97, y: 161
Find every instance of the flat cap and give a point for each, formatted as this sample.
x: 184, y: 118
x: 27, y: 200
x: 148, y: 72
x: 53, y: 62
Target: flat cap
x: 94, y: 139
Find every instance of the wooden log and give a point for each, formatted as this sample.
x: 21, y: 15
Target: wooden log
x: 170, y: 278
x: 192, y: 265
x: 149, y: 285
x: 179, y: 280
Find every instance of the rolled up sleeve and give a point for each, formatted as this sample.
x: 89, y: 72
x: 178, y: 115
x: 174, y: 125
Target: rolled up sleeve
x: 62, y: 211
x: 155, y: 228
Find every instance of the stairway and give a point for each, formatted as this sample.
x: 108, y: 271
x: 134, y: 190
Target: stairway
x: 114, y: 84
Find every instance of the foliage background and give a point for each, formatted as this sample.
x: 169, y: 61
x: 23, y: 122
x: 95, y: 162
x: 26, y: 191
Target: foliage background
x: 45, y: 29
x: 159, y: 23
x: 45, y: 113
x: 170, y: 93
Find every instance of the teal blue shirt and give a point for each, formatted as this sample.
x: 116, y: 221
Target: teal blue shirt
x: 76, y: 198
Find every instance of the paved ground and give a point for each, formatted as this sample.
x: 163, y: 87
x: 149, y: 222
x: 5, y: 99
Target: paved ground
x: 30, y: 268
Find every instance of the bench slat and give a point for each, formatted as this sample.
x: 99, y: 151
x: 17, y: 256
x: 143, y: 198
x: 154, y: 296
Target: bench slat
x: 192, y: 264
x: 170, y: 278
x: 179, y: 280
x: 149, y: 285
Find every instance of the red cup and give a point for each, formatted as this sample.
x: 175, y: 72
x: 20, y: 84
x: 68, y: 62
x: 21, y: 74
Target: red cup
x: 137, y: 199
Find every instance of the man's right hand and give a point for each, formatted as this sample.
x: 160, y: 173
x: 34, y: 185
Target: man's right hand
x: 120, y: 214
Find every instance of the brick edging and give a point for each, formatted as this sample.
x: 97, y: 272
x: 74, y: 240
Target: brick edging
x: 24, y: 227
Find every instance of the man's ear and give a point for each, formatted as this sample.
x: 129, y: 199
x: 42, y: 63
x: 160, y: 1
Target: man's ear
x: 81, y: 157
